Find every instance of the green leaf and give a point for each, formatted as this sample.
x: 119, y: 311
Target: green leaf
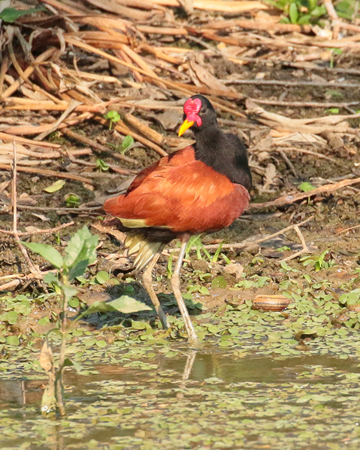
x: 74, y: 302
x: 204, y: 290
x: 43, y: 321
x: 55, y: 186
x: 333, y: 110
x: 219, y: 282
x: 70, y: 363
x: 318, y: 11
x: 304, y: 20
x: 11, y: 14
x: 102, y: 277
x: 68, y: 291
x: 123, y: 304
x: 12, y: 340
x: 11, y: 317
x: 81, y: 247
x: 306, y: 187
x: 114, y: 116
x: 293, y: 13
x: 78, y: 270
x: 126, y: 143
x: 46, y: 251
x: 126, y: 305
x: 50, y: 278
x: 101, y: 343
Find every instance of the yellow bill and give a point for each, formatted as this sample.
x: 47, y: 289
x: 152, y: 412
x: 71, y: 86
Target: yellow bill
x: 185, y: 126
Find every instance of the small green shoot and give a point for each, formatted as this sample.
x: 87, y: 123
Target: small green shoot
x: 306, y: 187
x: 127, y: 143
x: 101, y: 165
x: 113, y: 117
x: 195, y: 241
x: 72, y: 200
x: 285, y: 248
x: 225, y: 258
x: 333, y: 110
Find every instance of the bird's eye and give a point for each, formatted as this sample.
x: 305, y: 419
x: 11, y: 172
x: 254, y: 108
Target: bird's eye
x: 202, y: 110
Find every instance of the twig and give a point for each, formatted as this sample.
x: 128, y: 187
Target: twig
x: 72, y: 105
x: 305, y: 248
x: 348, y: 229
x: 289, y: 199
x: 333, y: 16
x: 49, y: 173
x: 263, y: 25
x: 9, y: 285
x: 15, y: 86
x: 306, y: 152
x: 48, y: 230
x: 18, y: 139
x: 305, y: 104
x: 323, y: 84
x: 258, y: 241
x: 88, y: 211
x: 3, y: 70
x: 288, y: 162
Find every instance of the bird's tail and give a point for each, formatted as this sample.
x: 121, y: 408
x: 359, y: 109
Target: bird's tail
x: 144, y: 248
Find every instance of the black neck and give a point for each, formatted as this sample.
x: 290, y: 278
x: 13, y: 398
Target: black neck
x: 225, y: 153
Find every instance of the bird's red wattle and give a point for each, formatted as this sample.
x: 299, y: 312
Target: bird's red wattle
x: 191, y: 109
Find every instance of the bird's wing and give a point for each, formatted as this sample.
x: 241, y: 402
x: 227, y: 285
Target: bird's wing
x: 181, y: 194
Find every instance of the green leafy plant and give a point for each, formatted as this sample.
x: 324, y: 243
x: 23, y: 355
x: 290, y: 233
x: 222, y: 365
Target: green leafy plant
x: 113, y: 117
x: 306, y: 187
x: 72, y: 200
x: 9, y: 15
x: 79, y: 253
x: 102, y: 165
x: 127, y: 143
x: 323, y: 261
x: 195, y: 241
x: 301, y: 12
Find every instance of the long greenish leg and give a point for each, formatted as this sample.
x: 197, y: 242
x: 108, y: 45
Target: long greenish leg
x: 175, y: 283
x: 148, y: 283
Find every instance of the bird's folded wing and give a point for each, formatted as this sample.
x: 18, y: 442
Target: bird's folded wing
x: 187, y: 197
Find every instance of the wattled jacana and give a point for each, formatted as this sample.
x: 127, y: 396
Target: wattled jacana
x: 201, y: 188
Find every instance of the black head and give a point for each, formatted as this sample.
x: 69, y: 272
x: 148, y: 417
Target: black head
x: 199, y: 115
